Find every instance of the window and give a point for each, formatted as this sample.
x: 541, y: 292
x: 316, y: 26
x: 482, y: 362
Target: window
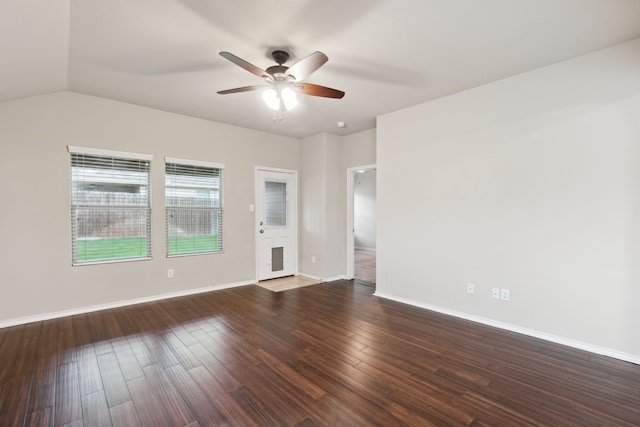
x: 193, y: 198
x: 275, y: 204
x: 110, y: 206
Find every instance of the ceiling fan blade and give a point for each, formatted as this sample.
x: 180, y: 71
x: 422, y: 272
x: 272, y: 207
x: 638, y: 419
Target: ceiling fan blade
x: 317, y: 90
x: 307, y: 65
x: 240, y: 89
x: 246, y: 65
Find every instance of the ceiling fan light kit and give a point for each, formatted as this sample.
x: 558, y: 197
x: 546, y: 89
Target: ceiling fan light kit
x: 276, y: 100
x: 289, y: 99
x: 283, y: 82
x: 271, y: 98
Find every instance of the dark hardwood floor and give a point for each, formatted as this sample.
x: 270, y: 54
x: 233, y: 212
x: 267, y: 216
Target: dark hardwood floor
x: 364, y: 266
x: 327, y: 354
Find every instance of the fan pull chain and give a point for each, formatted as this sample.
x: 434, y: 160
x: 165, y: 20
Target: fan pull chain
x: 277, y: 115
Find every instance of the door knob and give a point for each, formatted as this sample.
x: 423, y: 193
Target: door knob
x: 261, y: 231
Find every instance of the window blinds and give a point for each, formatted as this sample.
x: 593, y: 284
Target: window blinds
x: 110, y: 206
x: 194, y: 205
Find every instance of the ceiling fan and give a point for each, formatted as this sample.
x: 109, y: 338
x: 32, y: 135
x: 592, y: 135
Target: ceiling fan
x: 284, y: 82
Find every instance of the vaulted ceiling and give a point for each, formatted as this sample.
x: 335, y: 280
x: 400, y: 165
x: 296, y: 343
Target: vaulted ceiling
x: 385, y: 54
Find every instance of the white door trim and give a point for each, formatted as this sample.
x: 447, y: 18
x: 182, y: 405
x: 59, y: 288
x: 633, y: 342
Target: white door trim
x: 256, y: 222
x: 350, y: 220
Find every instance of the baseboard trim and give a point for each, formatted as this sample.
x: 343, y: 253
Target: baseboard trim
x: 334, y: 278
x: 604, y: 351
x: 323, y: 279
x: 310, y: 276
x: 118, y: 304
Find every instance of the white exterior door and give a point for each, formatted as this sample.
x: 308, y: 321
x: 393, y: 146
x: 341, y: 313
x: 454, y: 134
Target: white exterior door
x: 276, y: 223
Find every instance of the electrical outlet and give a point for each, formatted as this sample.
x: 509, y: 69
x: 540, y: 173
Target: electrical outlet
x: 495, y: 293
x: 471, y: 288
x: 505, y: 294
x: 170, y: 273
x: 313, y: 260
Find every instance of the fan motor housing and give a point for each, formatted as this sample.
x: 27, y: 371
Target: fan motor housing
x: 276, y: 69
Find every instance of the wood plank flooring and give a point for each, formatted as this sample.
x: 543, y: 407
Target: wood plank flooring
x: 326, y: 354
x: 365, y: 266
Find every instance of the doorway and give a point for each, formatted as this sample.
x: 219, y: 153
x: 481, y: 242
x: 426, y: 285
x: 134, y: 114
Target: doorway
x: 361, y: 235
x: 276, y: 223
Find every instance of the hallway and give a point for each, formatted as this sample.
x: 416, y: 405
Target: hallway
x: 365, y: 266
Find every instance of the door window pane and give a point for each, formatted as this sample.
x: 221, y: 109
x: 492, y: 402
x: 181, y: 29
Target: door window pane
x: 275, y: 204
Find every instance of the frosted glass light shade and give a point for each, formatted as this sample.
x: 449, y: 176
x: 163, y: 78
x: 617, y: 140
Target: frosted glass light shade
x: 275, y: 99
x: 289, y: 98
x: 271, y: 98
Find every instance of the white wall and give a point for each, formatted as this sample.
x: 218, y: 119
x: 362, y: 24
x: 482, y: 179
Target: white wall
x: 530, y: 184
x: 359, y: 149
x: 313, y: 215
x: 336, y: 209
x: 323, y: 211
x: 364, y: 209
x: 35, y: 257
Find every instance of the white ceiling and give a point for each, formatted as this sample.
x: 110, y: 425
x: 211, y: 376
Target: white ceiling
x: 385, y: 54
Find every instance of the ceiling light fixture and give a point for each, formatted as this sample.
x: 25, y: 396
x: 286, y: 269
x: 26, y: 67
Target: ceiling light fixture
x: 280, y: 99
x: 284, y: 81
x: 289, y: 98
x: 271, y: 98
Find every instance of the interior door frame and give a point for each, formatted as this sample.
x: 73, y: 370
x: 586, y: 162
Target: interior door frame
x: 350, y: 217
x: 294, y: 212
